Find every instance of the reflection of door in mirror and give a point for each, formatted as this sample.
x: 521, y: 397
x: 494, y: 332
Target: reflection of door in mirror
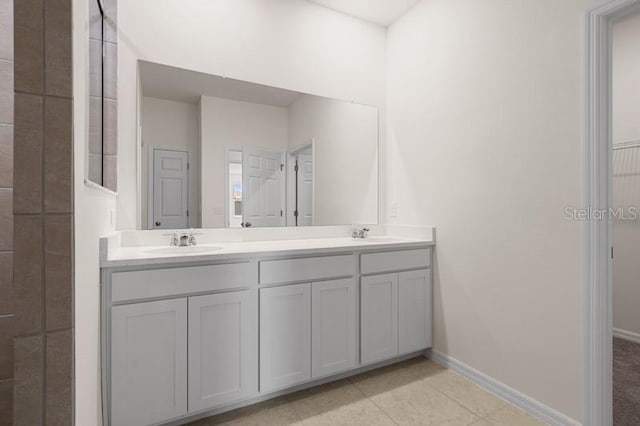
x: 170, y: 189
x: 300, y: 180
x: 245, y: 141
x: 263, y: 188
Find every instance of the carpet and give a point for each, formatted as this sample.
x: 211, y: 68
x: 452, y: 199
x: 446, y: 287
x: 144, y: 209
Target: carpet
x: 626, y: 383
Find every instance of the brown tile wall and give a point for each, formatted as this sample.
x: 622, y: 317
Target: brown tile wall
x: 7, y: 298
x: 40, y: 259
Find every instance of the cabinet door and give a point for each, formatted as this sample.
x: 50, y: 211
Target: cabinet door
x: 221, y: 365
x: 333, y: 325
x: 414, y: 311
x: 285, y: 336
x: 148, y: 362
x: 379, y: 317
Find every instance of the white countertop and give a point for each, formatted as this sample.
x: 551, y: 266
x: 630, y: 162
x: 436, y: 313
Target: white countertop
x: 153, y: 255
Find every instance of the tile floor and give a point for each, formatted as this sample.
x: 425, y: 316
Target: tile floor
x: 414, y: 392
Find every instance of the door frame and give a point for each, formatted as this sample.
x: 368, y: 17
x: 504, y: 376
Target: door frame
x: 290, y: 179
x: 227, y: 150
x: 150, y: 180
x: 597, y: 242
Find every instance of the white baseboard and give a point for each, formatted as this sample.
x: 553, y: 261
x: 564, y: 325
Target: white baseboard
x: 518, y: 399
x: 626, y: 335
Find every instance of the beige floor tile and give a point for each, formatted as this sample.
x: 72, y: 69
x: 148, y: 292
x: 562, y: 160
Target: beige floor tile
x: 391, y: 377
x: 360, y: 413
x: 511, y: 416
x: 465, y: 393
x: 277, y: 412
x: 323, y: 399
x: 481, y: 422
x: 419, y: 404
x: 422, y: 368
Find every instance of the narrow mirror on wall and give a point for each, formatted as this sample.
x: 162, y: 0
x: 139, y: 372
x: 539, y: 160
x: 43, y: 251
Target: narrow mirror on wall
x: 102, y: 149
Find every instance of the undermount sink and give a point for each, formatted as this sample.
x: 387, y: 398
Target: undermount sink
x: 182, y: 250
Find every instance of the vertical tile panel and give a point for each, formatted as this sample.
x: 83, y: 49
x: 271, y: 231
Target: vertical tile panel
x: 95, y: 28
x: 7, y: 326
x: 111, y: 71
x: 7, y: 322
x: 28, y: 381
x: 6, y: 155
x: 110, y: 164
x: 58, y: 74
x: 57, y: 155
x: 6, y: 219
x: 27, y: 273
x: 29, y: 46
x: 58, y: 275
x: 6, y: 283
x: 110, y: 127
x: 95, y: 126
x: 6, y: 29
x: 58, y: 374
x: 28, y: 151
x: 6, y: 90
x: 111, y: 24
x: 6, y: 402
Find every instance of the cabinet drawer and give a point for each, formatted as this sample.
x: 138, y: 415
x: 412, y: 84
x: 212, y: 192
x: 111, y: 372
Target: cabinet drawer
x: 306, y: 269
x: 388, y: 261
x: 167, y: 282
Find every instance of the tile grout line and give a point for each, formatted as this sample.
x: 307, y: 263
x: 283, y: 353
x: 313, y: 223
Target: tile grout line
x: 350, y: 379
x: 459, y: 403
x: 480, y: 417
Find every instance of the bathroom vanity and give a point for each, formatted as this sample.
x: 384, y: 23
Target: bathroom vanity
x: 194, y: 332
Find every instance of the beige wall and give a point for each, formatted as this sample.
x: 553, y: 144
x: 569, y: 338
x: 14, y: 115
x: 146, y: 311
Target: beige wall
x: 96, y: 209
x: 239, y: 124
x: 626, y: 174
x: 484, y: 143
x: 171, y: 124
x: 293, y: 44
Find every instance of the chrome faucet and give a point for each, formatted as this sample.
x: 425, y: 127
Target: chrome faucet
x: 357, y: 232
x: 185, y: 239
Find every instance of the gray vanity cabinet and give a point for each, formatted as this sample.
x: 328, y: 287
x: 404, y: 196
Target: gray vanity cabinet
x: 285, y: 336
x: 148, y: 362
x: 395, y: 314
x: 395, y: 311
x: 334, y: 318
x: 187, y: 339
x: 221, y: 366
x: 379, y: 317
x: 414, y: 311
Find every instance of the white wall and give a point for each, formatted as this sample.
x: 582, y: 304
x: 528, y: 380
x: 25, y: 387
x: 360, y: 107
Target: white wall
x: 626, y: 173
x: 345, y: 157
x: 484, y: 143
x: 292, y: 44
x: 94, y: 217
x: 239, y: 124
x: 171, y: 124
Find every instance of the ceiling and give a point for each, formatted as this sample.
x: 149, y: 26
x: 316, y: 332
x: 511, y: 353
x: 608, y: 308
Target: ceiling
x: 177, y: 84
x: 381, y: 12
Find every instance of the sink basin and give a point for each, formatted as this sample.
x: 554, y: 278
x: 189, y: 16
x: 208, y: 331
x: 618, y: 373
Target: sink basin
x: 182, y: 250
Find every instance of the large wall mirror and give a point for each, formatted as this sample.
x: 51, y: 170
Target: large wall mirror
x: 219, y: 152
